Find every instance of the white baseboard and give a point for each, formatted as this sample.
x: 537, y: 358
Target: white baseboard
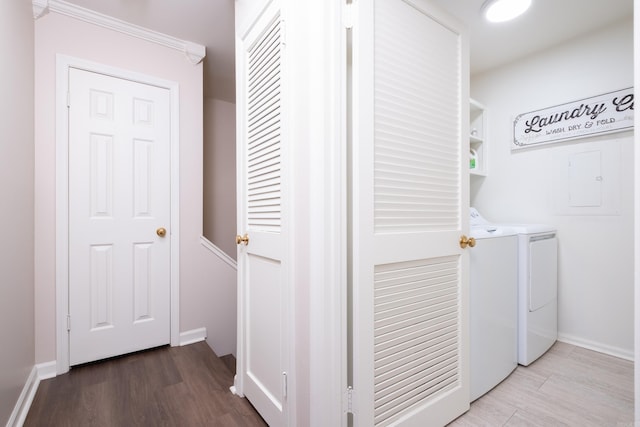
x: 193, y: 336
x: 23, y: 404
x: 41, y: 371
x: 46, y: 370
x: 234, y: 389
x: 596, y: 346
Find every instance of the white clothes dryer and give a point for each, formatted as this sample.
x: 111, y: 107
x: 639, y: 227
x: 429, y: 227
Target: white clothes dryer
x: 537, y: 290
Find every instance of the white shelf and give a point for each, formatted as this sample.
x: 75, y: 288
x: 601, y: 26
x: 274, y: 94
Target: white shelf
x: 477, y: 142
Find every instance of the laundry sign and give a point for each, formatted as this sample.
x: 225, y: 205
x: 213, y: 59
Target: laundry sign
x: 602, y: 114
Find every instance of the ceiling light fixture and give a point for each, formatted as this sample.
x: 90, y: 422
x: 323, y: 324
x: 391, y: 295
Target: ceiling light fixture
x: 504, y: 10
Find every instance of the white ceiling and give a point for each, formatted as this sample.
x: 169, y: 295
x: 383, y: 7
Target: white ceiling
x: 546, y: 23
x: 211, y: 22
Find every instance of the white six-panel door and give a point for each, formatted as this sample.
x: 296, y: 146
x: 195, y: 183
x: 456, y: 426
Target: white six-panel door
x: 119, y: 205
x: 262, y: 217
x: 410, y: 207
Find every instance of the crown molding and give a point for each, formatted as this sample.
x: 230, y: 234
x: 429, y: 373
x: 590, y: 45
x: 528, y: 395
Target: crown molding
x: 40, y: 8
x: 194, y: 52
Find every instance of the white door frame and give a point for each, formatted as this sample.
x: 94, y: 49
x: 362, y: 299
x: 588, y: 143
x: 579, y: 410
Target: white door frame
x: 63, y: 64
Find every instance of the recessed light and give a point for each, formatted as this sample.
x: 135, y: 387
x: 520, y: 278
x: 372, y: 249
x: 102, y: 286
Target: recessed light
x: 504, y: 10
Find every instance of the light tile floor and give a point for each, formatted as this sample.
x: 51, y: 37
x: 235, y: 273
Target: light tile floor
x: 567, y: 386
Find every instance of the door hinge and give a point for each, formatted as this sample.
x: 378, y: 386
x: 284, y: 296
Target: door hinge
x: 68, y: 322
x: 347, y: 15
x: 284, y: 385
x: 283, y: 30
x: 348, y: 400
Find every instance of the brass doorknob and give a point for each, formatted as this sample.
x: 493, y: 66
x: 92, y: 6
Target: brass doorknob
x: 242, y: 239
x: 161, y: 232
x: 467, y: 241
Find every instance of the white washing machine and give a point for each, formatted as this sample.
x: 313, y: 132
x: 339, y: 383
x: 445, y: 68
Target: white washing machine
x: 537, y: 290
x: 493, y: 304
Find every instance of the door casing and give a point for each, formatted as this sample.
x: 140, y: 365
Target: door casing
x: 63, y: 64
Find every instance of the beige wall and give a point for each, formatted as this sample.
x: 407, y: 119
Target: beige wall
x: 220, y: 174
x: 16, y: 193
x: 207, y: 286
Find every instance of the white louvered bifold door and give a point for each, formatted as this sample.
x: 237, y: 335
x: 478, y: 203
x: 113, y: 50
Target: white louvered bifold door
x: 262, y: 262
x: 410, y: 207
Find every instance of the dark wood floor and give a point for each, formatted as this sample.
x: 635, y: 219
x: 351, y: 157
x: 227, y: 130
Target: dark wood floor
x: 189, y: 386
x: 167, y: 386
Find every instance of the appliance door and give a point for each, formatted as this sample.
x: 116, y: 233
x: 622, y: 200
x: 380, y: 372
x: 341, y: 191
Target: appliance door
x: 543, y: 271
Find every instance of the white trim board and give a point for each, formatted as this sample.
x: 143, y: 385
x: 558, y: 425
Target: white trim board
x: 39, y: 372
x: 193, y: 336
x: 63, y: 64
x: 219, y: 252
x: 194, y: 52
x: 21, y: 409
x: 596, y: 346
x: 46, y: 370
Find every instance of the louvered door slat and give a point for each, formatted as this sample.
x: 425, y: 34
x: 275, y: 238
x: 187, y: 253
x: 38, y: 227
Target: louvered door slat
x: 424, y: 353
x: 407, y: 316
x: 401, y: 375
x: 393, y: 286
x: 263, y: 88
x: 393, y: 183
x: 411, y: 149
x: 391, y: 342
x: 265, y: 64
x: 264, y: 132
x: 268, y: 191
x: 433, y: 315
x: 263, y: 93
x: 266, y: 135
x: 269, y: 166
x: 441, y: 378
x: 428, y: 292
x: 266, y: 82
x: 433, y: 266
x: 418, y: 193
x: 269, y: 159
x: 260, y: 193
x: 403, y: 150
x: 266, y: 181
x: 263, y: 54
x: 413, y: 108
x: 268, y: 105
x: 259, y: 50
x: 264, y: 112
x: 417, y: 322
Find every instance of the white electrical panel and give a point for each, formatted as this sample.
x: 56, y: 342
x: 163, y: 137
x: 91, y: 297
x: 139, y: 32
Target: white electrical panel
x: 586, y: 178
